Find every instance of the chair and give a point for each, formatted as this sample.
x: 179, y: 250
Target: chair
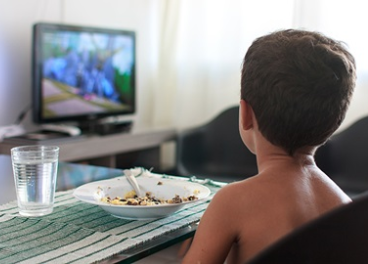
x: 340, y: 236
x: 215, y: 150
x: 344, y: 158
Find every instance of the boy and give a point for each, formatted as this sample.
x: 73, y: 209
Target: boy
x: 295, y: 89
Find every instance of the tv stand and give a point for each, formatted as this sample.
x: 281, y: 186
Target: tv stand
x: 105, y: 128
x: 140, y: 147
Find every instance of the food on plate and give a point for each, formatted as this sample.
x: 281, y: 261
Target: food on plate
x: 130, y: 198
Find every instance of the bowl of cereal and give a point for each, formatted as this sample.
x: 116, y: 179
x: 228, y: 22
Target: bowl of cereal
x: 160, y: 197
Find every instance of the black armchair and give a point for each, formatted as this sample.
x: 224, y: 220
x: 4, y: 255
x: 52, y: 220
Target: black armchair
x: 340, y: 236
x: 215, y: 150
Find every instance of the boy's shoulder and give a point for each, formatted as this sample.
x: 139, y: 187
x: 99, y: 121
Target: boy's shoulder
x: 242, y: 193
x: 249, y: 186
x: 258, y: 194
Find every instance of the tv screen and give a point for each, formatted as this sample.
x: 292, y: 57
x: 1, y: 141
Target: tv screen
x: 82, y: 73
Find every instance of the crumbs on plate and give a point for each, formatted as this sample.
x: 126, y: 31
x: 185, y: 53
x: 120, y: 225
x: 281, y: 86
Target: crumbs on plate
x: 132, y: 199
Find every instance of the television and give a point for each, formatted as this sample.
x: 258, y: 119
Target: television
x: 82, y: 75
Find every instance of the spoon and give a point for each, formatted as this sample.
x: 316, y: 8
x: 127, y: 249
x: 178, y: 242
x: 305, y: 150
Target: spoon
x: 133, y: 182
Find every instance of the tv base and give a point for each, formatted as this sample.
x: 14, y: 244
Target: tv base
x: 106, y: 128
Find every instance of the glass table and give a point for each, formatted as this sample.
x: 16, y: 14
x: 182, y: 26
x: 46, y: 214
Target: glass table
x: 149, y: 237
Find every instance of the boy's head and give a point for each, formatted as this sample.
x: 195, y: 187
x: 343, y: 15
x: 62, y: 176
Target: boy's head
x: 299, y: 85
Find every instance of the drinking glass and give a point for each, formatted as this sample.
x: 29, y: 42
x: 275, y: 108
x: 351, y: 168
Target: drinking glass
x: 35, y: 174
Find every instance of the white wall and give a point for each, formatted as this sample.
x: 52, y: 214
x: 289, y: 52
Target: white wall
x: 17, y: 17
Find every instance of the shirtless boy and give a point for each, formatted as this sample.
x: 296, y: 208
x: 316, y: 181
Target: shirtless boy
x: 295, y: 89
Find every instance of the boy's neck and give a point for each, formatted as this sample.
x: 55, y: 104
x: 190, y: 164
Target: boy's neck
x: 272, y: 156
x: 277, y: 158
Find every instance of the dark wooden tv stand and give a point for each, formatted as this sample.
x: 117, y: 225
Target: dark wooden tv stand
x: 119, y: 150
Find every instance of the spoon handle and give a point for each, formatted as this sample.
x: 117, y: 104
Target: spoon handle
x: 133, y: 182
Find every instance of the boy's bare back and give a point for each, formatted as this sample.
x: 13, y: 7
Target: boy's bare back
x: 256, y: 212
x: 275, y: 203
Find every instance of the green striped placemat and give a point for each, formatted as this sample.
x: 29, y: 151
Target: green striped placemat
x: 78, y: 232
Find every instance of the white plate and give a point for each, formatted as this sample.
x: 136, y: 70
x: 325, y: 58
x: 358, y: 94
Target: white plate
x: 94, y: 191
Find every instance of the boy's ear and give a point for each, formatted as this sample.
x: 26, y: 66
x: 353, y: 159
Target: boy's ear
x: 246, y: 115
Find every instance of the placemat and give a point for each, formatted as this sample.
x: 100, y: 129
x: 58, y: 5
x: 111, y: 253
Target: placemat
x: 77, y: 232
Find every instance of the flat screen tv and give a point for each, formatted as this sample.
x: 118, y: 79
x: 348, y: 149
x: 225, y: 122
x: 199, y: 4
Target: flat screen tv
x: 82, y: 74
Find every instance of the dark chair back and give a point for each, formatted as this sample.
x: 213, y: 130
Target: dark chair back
x: 215, y: 150
x: 344, y: 157
x: 340, y: 236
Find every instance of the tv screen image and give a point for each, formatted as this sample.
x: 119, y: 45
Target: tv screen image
x: 82, y: 73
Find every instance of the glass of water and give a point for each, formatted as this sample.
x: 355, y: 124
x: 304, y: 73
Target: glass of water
x: 35, y: 172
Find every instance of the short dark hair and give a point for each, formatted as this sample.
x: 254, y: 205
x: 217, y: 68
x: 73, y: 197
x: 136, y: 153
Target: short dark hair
x: 299, y: 85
